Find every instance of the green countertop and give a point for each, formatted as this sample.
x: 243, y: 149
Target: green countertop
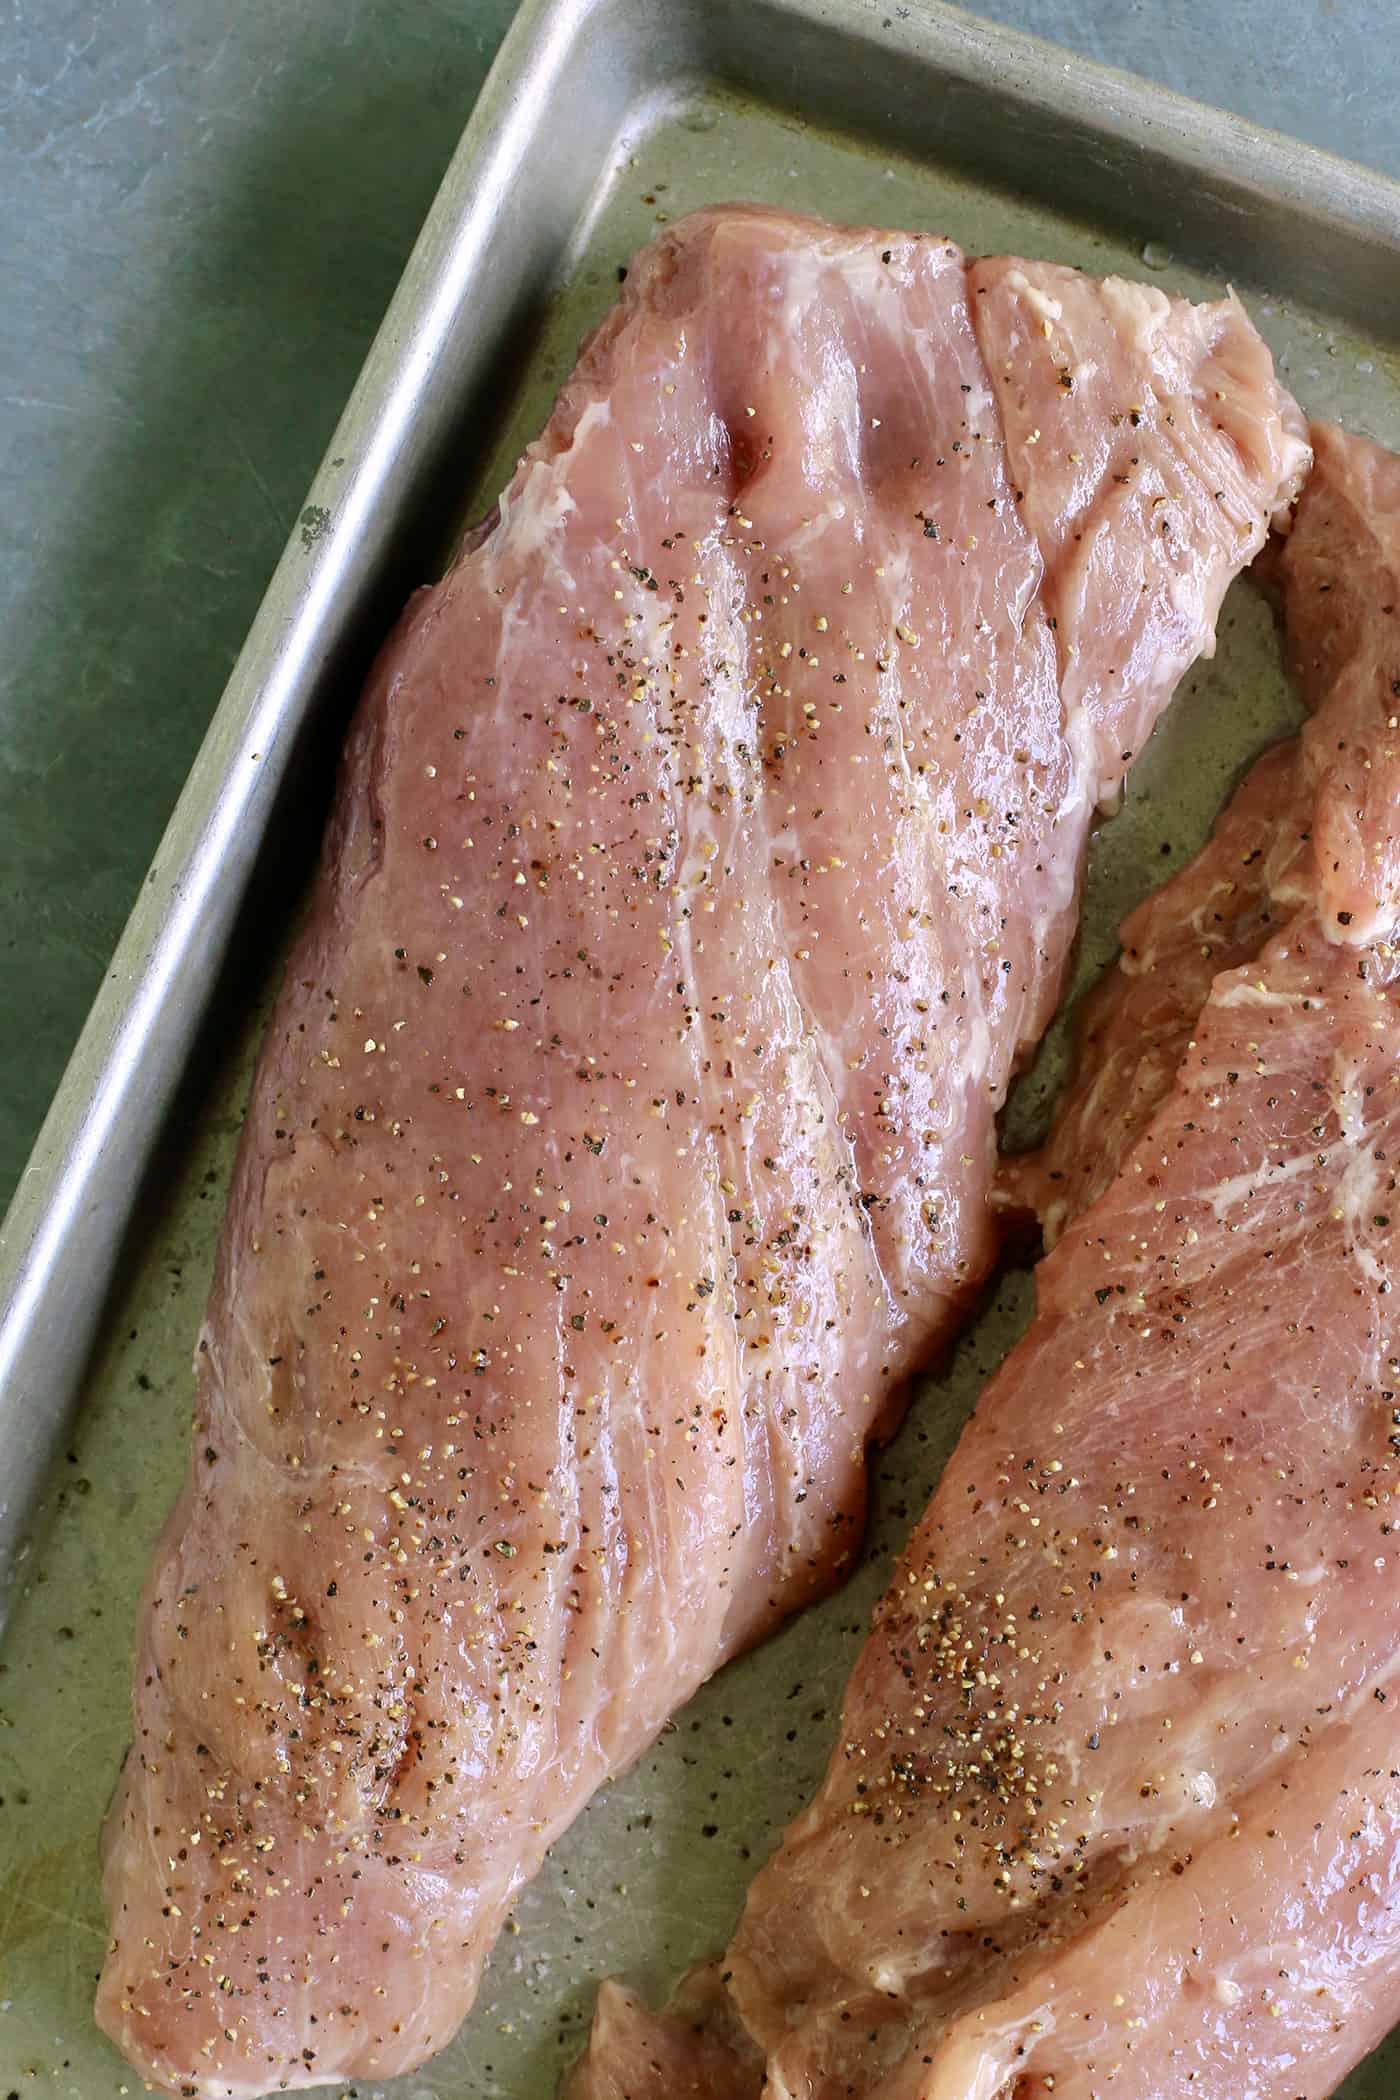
x: 205, y: 210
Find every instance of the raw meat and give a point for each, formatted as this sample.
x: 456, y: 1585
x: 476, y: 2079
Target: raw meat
x: 706, y: 854
x: 1137, y: 1021
x: 1115, y: 1804
x: 1315, y: 819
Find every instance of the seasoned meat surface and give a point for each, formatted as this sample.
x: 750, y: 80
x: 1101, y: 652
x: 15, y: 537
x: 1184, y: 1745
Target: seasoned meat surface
x: 706, y: 855
x: 1115, y: 1803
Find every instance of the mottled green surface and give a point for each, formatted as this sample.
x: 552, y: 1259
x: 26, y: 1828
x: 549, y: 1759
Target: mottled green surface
x: 198, y: 338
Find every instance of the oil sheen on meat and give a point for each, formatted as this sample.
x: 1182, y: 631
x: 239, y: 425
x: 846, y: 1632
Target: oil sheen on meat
x: 1115, y: 1803
x: 705, y: 857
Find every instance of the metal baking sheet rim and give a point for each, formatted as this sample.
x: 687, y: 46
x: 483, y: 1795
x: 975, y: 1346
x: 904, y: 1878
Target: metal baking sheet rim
x: 499, y: 235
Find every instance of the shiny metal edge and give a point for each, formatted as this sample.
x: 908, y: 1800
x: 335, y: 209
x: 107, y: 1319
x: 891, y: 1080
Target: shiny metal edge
x: 493, y: 242
x: 1029, y: 116
x: 930, y: 80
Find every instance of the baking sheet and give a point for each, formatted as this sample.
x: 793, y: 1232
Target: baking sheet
x: 654, y: 1872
